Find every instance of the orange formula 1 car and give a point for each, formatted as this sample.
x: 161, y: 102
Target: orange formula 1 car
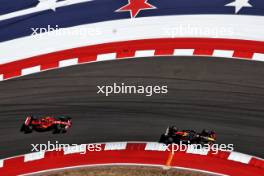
x: 173, y: 135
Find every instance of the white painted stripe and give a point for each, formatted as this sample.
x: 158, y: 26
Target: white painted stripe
x: 1, y: 163
x: 183, y: 52
x: 223, y: 53
x: 115, y: 146
x: 27, y: 71
x: 239, y: 157
x: 68, y: 62
x: 43, y: 5
x: 155, y: 146
x: 138, y: 28
x: 74, y: 149
x: 1, y: 77
x: 258, y: 57
x: 194, y: 150
x: 144, y: 53
x: 34, y: 156
x: 105, y: 57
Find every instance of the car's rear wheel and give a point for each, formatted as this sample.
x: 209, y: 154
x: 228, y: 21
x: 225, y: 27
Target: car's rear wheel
x: 57, y: 129
x: 64, y: 131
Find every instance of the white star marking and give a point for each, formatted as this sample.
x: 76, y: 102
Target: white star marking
x: 239, y: 4
x: 48, y: 4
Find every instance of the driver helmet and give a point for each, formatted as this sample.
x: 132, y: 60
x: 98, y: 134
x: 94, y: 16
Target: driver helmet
x: 205, y: 132
x: 174, y: 129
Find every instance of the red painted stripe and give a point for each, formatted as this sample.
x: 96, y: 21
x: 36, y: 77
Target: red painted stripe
x: 243, y: 54
x: 12, y: 73
x: 85, y: 59
x: 135, y: 153
x: 126, y: 53
x: 242, y: 48
x: 203, y: 52
x: 257, y: 163
x: 165, y: 52
x: 49, y: 65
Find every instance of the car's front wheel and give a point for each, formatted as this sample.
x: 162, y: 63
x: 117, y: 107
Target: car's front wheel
x: 26, y: 129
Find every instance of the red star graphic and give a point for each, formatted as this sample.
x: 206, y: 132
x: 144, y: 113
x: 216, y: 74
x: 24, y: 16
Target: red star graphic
x: 135, y: 6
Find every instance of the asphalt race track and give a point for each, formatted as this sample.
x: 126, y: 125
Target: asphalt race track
x: 220, y: 94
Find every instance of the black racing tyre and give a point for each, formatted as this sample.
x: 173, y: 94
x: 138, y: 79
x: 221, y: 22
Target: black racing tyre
x: 26, y: 129
x: 64, y: 131
x: 166, y: 139
x: 57, y: 129
x: 170, y: 140
x: 162, y: 138
x: 22, y: 129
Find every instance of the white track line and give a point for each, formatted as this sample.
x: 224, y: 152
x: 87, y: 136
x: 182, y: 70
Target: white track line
x: 239, y: 157
x: 68, y: 62
x: 223, y: 53
x: 154, y: 146
x: 144, y: 53
x: 1, y: 163
x: 258, y: 57
x: 138, y: 28
x: 74, y: 149
x: 105, y: 57
x: 115, y: 146
x: 192, y: 150
x: 34, y: 156
x: 31, y: 70
x: 183, y: 52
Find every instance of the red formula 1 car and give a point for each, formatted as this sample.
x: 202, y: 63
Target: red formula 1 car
x: 173, y: 135
x: 59, y: 124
